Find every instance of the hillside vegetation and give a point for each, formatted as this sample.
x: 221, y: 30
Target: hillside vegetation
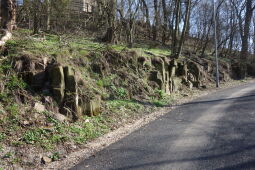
x: 58, y: 92
x: 72, y: 71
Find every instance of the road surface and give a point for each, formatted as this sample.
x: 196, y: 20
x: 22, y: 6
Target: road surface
x: 214, y: 132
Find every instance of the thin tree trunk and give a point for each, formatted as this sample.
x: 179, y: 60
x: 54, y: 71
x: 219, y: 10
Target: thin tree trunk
x: 48, y: 26
x: 245, y: 38
x: 165, y: 15
x: 254, y: 37
x: 186, y: 21
x: 175, y: 38
x: 147, y: 16
x: 111, y: 12
x: 156, y: 20
x: 36, y: 22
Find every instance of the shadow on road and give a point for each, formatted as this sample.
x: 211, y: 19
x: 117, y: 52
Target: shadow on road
x: 240, y: 99
x: 245, y: 165
x: 234, y: 136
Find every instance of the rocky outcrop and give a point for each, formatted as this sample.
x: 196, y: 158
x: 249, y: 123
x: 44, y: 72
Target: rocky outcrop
x: 139, y: 76
x: 144, y: 63
x: 90, y: 106
x: 71, y: 105
x: 175, y: 84
x: 57, y: 83
x: 195, y: 74
x: 65, y: 90
x: 61, y: 83
x: 160, y: 73
x: 171, y: 75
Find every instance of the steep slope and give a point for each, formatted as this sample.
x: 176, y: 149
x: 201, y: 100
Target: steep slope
x: 57, y: 92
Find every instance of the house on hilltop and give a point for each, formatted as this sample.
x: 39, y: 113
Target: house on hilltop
x: 75, y: 5
x: 82, y: 5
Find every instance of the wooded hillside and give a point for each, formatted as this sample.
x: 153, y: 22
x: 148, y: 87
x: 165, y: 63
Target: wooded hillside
x: 69, y: 76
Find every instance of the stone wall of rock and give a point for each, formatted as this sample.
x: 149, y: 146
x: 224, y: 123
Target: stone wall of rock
x: 61, y: 83
x: 140, y: 74
x: 171, y: 75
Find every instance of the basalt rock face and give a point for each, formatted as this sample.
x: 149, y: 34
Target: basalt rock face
x: 64, y: 84
x: 32, y: 70
x: 172, y: 75
x: 123, y: 75
x: 195, y: 74
x: 70, y: 104
x: 60, y: 82
x: 158, y: 73
x: 90, y: 106
x: 57, y: 83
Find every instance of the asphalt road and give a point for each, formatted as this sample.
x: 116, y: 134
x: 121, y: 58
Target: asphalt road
x: 214, y: 132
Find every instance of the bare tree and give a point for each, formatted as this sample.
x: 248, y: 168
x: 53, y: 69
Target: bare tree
x: 184, y: 30
x: 165, y: 21
x: 177, y: 40
x: 147, y: 16
x: 156, y: 20
x: 244, y: 27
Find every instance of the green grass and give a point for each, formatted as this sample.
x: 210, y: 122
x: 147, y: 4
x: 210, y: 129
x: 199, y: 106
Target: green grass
x: 79, y: 132
x: 164, y: 99
x: 90, y: 128
x: 13, y: 110
x: 158, y: 103
x: 55, y: 156
x: 143, y: 49
x: 119, y: 47
x: 34, y: 135
x: 126, y: 105
x: 120, y: 112
x: 15, y: 83
x: 71, y: 47
x: 2, y: 137
x: 159, y: 51
x: 51, y: 45
x: 119, y: 92
x: 8, y: 155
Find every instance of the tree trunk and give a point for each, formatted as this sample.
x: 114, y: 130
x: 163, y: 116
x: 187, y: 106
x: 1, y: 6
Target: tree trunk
x: 8, y: 20
x: 48, y: 6
x: 8, y: 14
x: 36, y: 19
x: 165, y: 16
x: 245, y: 38
x: 111, y: 17
x: 147, y: 16
x: 186, y: 21
x: 156, y: 20
x: 175, y: 37
x: 254, y: 37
